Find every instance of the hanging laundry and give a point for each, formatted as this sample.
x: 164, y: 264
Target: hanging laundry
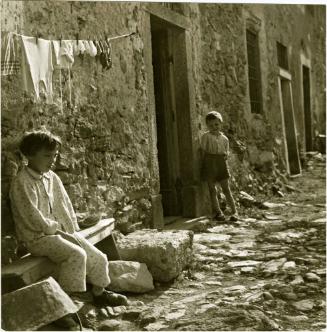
x: 9, y: 55
x: 64, y: 59
x: 37, y: 66
x: 99, y: 49
x: 64, y: 54
x: 105, y: 56
x: 90, y: 49
x: 79, y: 47
x: 93, y: 49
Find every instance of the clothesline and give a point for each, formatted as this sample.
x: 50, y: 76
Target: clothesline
x: 41, y: 56
x: 107, y: 38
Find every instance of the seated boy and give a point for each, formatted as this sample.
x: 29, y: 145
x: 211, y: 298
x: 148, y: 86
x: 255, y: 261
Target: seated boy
x: 46, y: 222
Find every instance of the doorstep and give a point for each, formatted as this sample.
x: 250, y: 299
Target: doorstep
x: 180, y: 223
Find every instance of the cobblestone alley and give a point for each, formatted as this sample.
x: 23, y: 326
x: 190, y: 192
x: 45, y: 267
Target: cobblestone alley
x: 265, y: 272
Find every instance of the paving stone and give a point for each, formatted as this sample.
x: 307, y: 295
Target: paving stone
x: 104, y: 312
x: 213, y: 283
x: 243, y: 263
x: 175, y: 315
x: 211, y: 238
x: 296, y: 319
x: 304, y: 305
x: 247, y: 269
x: 271, y: 205
x: 110, y: 325
x: 119, y: 309
x: 267, y: 296
x: 150, y: 315
x: 39, y: 304
x: 290, y: 265
x: 288, y: 296
x: 275, y: 254
x: 130, y: 277
x: 298, y: 280
x: 157, y: 326
x: 312, y: 277
x: 266, y: 323
x: 273, y: 265
x: 237, y: 289
x: 165, y: 253
x: 319, y: 325
x: 205, y: 308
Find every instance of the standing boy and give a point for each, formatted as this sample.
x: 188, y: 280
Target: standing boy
x: 46, y: 222
x: 214, y: 150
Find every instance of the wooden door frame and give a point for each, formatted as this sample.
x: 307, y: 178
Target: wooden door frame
x: 184, y: 89
x: 285, y: 75
x: 307, y: 63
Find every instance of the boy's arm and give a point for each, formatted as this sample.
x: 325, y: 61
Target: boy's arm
x: 23, y: 200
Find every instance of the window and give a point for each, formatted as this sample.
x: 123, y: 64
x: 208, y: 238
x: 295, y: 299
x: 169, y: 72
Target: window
x: 282, y: 56
x: 252, y: 44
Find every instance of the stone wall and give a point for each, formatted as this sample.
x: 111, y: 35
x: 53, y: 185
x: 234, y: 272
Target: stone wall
x: 109, y: 158
x: 104, y: 163
x: 223, y: 76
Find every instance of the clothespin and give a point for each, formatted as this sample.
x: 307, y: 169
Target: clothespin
x: 77, y: 38
x: 38, y: 35
x: 60, y: 39
x: 105, y: 40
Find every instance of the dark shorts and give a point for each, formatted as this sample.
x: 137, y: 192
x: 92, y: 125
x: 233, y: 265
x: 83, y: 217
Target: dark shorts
x: 214, y: 168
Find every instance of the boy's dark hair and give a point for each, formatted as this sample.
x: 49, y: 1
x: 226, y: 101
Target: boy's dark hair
x: 214, y: 115
x: 37, y: 140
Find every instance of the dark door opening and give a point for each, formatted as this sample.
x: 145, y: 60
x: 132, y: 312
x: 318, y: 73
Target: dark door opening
x: 290, y: 132
x: 162, y: 35
x: 307, y: 108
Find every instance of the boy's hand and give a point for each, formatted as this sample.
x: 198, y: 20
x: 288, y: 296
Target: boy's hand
x: 53, y: 227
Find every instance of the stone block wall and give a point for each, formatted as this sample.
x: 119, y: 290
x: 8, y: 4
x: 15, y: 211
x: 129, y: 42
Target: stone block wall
x: 104, y: 162
x: 109, y: 160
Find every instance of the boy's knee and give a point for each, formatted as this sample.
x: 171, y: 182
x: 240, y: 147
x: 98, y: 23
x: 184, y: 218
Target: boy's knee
x: 79, y: 253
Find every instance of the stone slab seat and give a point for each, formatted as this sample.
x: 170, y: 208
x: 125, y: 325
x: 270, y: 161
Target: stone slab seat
x: 30, y: 269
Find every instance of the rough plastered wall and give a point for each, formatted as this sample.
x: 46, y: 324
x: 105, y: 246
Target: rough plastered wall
x: 302, y: 31
x: 318, y: 50
x: 104, y: 163
x: 221, y: 81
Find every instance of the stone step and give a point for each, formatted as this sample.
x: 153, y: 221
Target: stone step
x: 187, y: 223
x: 31, y: 307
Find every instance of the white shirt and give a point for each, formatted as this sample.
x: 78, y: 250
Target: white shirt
x: 40, y: 205
x: 214, y: 143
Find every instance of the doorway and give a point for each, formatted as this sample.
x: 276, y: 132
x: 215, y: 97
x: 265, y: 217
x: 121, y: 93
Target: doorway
x: 286, y: 102
x: 163, y: 40
x: 307, y: 108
